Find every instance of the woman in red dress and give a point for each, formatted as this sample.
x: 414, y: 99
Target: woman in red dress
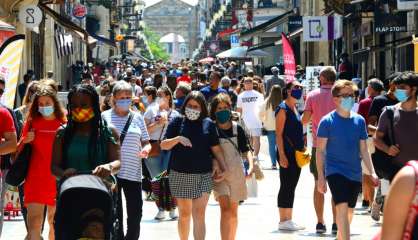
x: 45, y: 116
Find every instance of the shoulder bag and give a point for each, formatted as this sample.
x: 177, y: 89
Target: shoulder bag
x: 19, y: 168
x: 155, y: 146
x: 303, y: 157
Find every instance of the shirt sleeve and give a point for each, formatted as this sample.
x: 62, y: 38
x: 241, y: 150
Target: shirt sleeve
x: 213, y: 135
x: 144, y: 131
x: 383, y: 125
x: 172, y: 128
x: 323, y: 129
x: 243, y: 144
x: 239, y: 101
x: 362, y: 109
x: 308, y: 104
x: 363, y: 129
x: 374, y: 108
x: 149, y: 114
x: 7, y: 124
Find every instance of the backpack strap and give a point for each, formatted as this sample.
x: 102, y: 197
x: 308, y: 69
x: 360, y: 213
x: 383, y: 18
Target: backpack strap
x: 235, y: 129
x: 412, y: 214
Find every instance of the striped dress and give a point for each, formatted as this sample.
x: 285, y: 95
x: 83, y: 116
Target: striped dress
x: 131, y: 166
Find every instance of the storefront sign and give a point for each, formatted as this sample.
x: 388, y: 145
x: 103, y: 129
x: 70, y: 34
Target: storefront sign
x: 322, y: 28
x: 295, y: 23
x: 289, y: 61
x: 79, y: 11
x: 390, y: 22
x: 10, y: 58
x: 407, y: 4
x: 30, y: 16
x: 234, y: 40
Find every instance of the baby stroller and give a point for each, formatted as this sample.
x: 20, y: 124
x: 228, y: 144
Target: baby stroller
x: 84, y: 199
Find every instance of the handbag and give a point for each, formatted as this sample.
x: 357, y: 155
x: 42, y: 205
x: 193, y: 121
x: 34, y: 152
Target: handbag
x: 19, y: 168
x: 303, y: 157
x: 155, y: 146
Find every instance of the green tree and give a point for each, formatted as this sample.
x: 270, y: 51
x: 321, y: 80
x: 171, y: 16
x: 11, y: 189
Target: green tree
x: 156, y: 48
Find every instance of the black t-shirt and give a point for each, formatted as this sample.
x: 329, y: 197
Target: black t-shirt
x: 379, y: 103
x: 243, y: 144
x: 203, y: 136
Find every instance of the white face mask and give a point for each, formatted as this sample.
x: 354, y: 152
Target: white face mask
x: 192, y: 114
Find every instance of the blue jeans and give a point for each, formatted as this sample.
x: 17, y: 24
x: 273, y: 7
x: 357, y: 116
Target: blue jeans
x: 271, y: 137
x: 157, y: 165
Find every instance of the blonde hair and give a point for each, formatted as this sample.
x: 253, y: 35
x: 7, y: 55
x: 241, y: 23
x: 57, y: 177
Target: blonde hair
x: 340, y: 84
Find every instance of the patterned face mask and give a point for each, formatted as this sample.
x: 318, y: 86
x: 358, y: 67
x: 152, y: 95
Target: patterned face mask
x: 82, y: 114
x: 192, y: 114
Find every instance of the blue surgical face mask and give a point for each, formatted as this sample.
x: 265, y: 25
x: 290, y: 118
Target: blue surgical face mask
x: 46, y: 111
x: 123, y: 104
x: 347, y: 103
x: 144, y: 100
x: 401, y: 95
x: 296, y: 93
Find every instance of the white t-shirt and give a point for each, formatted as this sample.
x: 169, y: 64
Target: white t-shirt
x: 153, y: 114
x: 250, y: 103
x: 131, y: 167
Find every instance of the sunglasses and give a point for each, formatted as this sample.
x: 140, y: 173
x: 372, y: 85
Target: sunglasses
x: 346, y: 95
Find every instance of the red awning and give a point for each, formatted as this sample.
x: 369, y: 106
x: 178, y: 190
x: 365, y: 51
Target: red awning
x: 227, y: 32
x: 6, y: 31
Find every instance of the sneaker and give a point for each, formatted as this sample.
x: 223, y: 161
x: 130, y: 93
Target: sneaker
x: 160, y: 215
x: 290, y: 226
x: 273, y: 167
x: 376, y: 211
x: 321, y: 228
x: 173, y: 214
x: 334, y: 229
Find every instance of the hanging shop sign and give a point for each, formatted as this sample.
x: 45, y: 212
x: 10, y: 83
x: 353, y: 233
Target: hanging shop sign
x: 322, y: 28
x: 289, y: 61
x: 295, y: 23
x: 407, y: 4
x: 234, y: 40
x: 30, y: 16
x: 79, y: 11
x: 10, y: 58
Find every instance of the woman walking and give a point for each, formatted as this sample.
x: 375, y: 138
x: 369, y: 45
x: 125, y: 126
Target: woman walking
x: 235, y: 146
x: 192, y: 140
x: 45, y: 116
x: 289, y: 138
x: 135, y: 145
x: 157, y: 118
x: 267, y: 113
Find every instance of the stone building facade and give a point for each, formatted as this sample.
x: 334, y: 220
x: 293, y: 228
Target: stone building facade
x: 174, y: 16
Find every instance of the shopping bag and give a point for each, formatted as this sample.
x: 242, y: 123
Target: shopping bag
x: 161, y: 191
x: 252, y: 188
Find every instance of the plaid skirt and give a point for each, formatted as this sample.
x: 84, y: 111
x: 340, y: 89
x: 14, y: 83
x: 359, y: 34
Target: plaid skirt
x: 189, y: 185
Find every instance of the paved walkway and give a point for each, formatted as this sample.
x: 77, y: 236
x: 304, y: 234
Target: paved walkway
x: 258, y: 217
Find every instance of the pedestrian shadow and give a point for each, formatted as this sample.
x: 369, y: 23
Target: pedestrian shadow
x: 158, y: 221
x: 310, y: 234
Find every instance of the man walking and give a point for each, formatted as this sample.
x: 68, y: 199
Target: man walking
x: 248, y: 104
x: 342, y: 136
x: 213, y: 89
x: 273, y: 80
x: 319, y: 103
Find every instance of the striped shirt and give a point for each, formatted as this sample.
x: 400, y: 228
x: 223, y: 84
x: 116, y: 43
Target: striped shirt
x: 131, y: 167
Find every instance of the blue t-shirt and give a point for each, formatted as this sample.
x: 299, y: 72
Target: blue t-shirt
x: 343, y: 144
x: 198, y: 158
x: 209, y: 93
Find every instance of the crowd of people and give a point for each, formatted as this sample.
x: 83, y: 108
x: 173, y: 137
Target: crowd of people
x: 193, y: 128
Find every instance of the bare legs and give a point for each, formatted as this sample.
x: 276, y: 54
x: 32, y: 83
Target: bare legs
x: 319, y: 206
x: 285, y: 214
x: 192, y: 208
x: 256, y: 144
x: 229, y: 218
x: 344, y: 218
x: 35, y: 219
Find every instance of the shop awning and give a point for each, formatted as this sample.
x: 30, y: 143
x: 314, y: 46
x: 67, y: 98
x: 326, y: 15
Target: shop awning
x: 257, y: 30
x: 69, y: 25
x: 278, y: 42
x: 6, y: 27
x: 104, y: 40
